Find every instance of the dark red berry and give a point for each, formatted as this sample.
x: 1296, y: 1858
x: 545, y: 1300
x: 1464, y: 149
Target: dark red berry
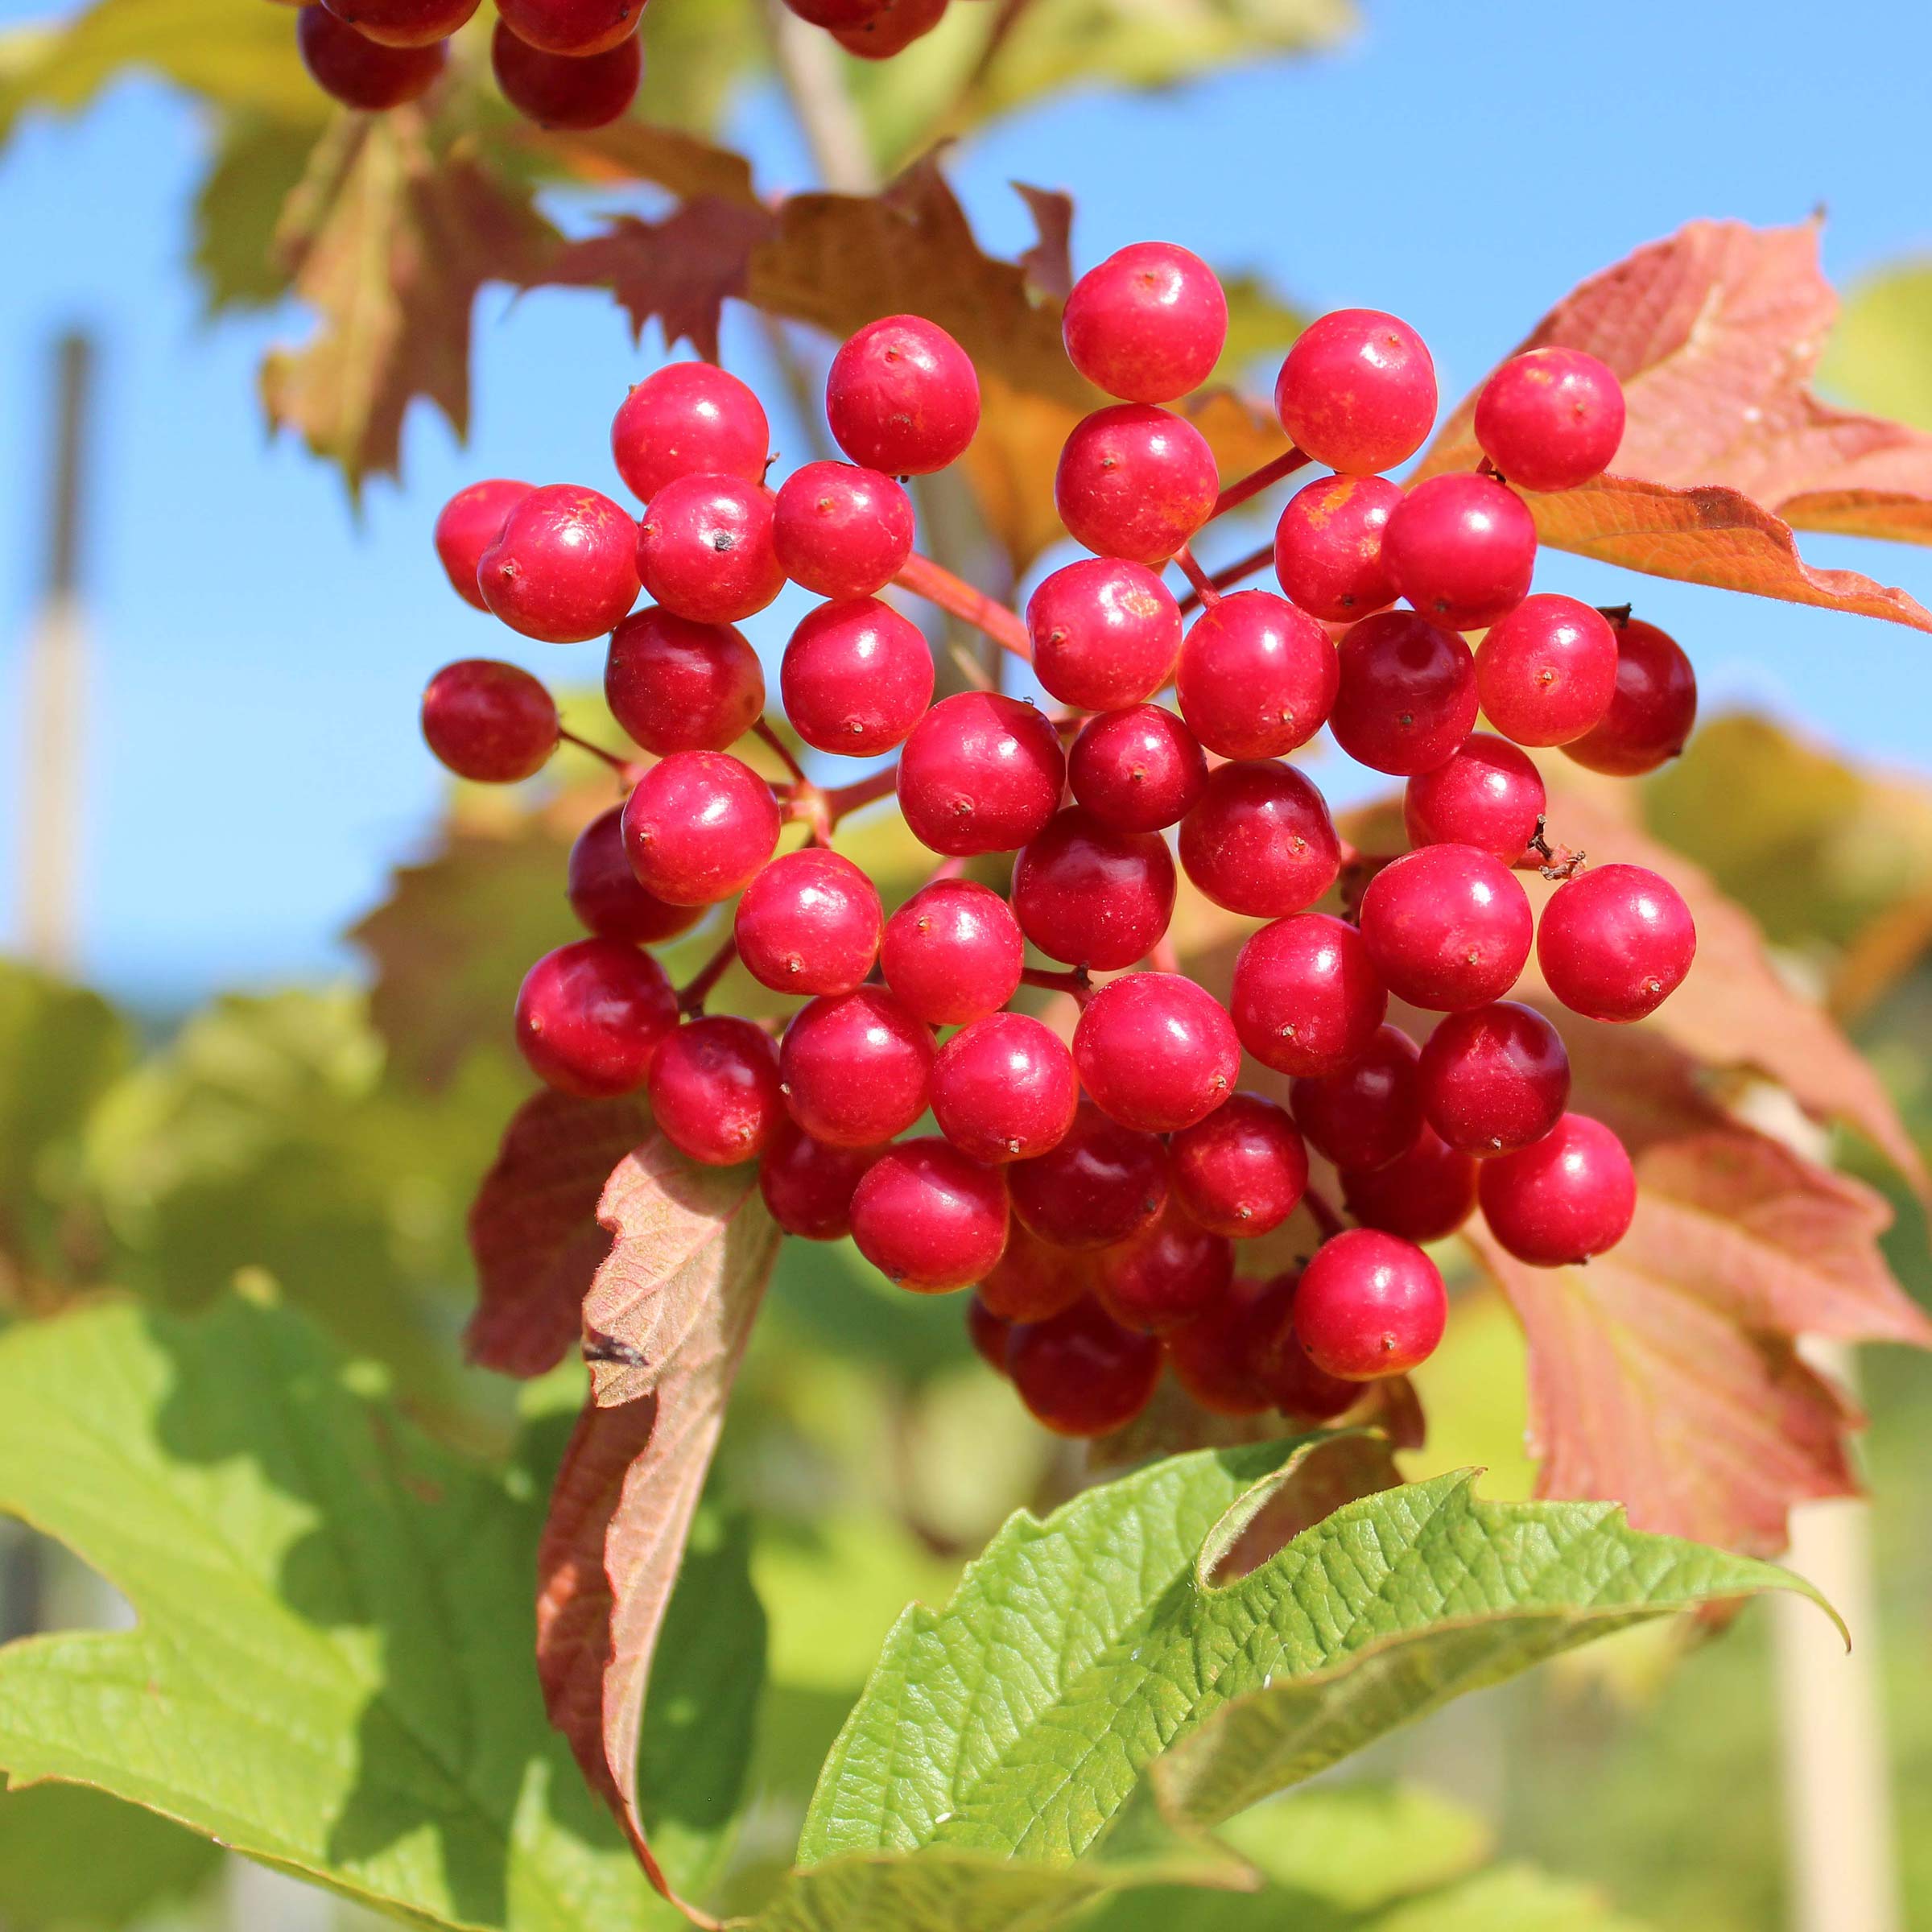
x: 1306, y: 999
x: 1102, y: 1184
x: 855, y: 678
x: 1368, y: 1113
x: 1407, y: 695
x: 902, y: 397
x: 808, y: 1184
x: 1147, y: 325
x: 1033, y: 1279
x: 1091, y: 896
x: 1427, y: 1194
x: 491, y: 723
x: 1135, y: 481
x: 403, y: 22
x: 1494, y: 1079
x: 1138, y: 769
x: 1283, y: 1366
x: 1547, y: 672
x: 834, y: 14
x: 953, y: 952
x: 1550, y: 419
x: 577, y: 28
x: 810, y: 923
x: 1650, y: 717
x: 469, y: 523
x: 1616, y: 942
x: 1157, y: 1051
x: 563, y: 567
x: 698, y: 826
x: 688, y: 419
x: 1242, y: 1170
x: 986, y: 1331
x: 1257, y: 677
x: 842, y: 531
x: 358, y: 71
x: 675, y: 685
x: 1261, y: 840
x: 1447, y: 926
x: 1105, y: 633
x: 565, y: 90
x: 590, y: 1015
x: 891, y: 28
x: 980, y: 773
x: 1328, y: 547
x: 1003, y: 1089
x: 1461, y: 548
x: 705, y: 548
x: 714, y: 1090
x: 1357, y: 392
x: 1488, y: 794
x: 854, y: 1067
x: 604, y: 893
x: 1212, y: 1355
x: 1171, y: 1271
x: 1081, y: 1373
x: 1566, y: 1197
x: 1369, y: 1305
x: 928, y: 1218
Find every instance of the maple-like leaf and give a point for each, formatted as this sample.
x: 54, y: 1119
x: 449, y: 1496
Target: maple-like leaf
x: 665, y: 1325
x: 1715, y: 333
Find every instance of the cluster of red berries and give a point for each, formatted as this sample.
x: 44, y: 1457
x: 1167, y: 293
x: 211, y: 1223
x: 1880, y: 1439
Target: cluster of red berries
x: 1093, y: 1193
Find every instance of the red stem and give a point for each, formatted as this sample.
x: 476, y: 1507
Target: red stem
x: 1074, y: 981
x: 763, y: 729
x: 1322, y: 1211
x: 691, y: 998
x: 1232, y: 573
x: 1205, y: 586
x: 597, y: 751
x: 938, y: 585
x: 1257, y: 480
x: 843, y: 799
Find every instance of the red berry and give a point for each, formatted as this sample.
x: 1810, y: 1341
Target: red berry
x: 1242, y: 1170
x: 1105, y: 633
x: 1461, y: 548
x: 1546, y: 672
x: 1033, y: 1279
x: 891, y: 28
x: 1261, y: 840
x: 855, y: 1067
x: 1257, y: 677
x: 953, y: 952
x: 565, y: 90
x: 403, y: 22
x: 1566, y: 1197
x: 902, y: 397
x: 1447, y: 926
x: 808, y: 1184
x: 1429, y: 1193
x: 1488, y: 794
x: 1090, y: 896
x: 986, y: 1331
x: 1135, y: 481
x: 705, y: 548
x: 1282, y: 1365
x: 1550, y: 419
x: 1003, y: 1089
x: 1494, y: 1079
x: 604, y: 893
x: 928, y: 1218
x: 563, y: 567
x: 688, y: 419
x: 355, y: 70
x: 1081, y: 1373
x: 1358, y: 391
x: 1650, y: 716
x: 1170, y: 1273
x: 1616, y: 942
x: 842, y: 531
x: 675, y: 685
x: 1369, y: 1305
x: 714, y: 1090
x: 1328, y: 545
x: 809, y: 922
x: 1103, y: 1183
x: 1307, y: 1000
x: 1157, y: 1051
x: 590, y: 1015
x: 980, y: 773
x: 698, y: 826
x: 469, y: 523
x: 855, y: 678
x: 833, y: 14
x: 1136, y: 769
x: 1147, y: 325
x: 1212, y: 1355
x: 491, y: 723
x: 1406, y: 697
x: 573, y: 27
x: 1368, y: 1114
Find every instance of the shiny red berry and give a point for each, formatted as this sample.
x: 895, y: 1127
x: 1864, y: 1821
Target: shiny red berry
x: 1155, y: 1051
x: 1105, y: 633
x: 1461, y: 548
x: 698, y: 826
x: 1261, y: 840
x: 855, y: 1066
x: 929, y: 1218
x: 1147, y: 324
x: 807, y: 1185
x: 1171, y: 1271
x: 1545, y: 673
x: 1358, y: 391
x: 1033, y: 1279
x: 891, y: 28
x: 1286, y: 1372
x: 855, y: 678
x: 705, y: 548
x: 842, y: 531
x: 953, y: 952
x: 1494, y: 1079
x: 565, y: 90
x: 980, y: 773
x: 590, y: 1015
x: 1488, y: 793
x: 1369, y: 1113
x: 675, y: 685
x: 810, y: 923
x: 563, y: 567
x: 605, y: 893
x: 688, y: 419
x: 1138, y: 769
x: 403, y: 22
x: 1447, y: 926
x: 1328, y: 547
x: 1215, y: 1354
x: 1650, y: 717
x: 1003, y: 1089
x: 1135, y: 481
x: 1091, y: 896
x: 714, y: 1090
x: 1368, y: 1305
x: 1566, y: 1197
x: 1616, y: 942
x: 1101, y: 1184
x: 1428, y: 1194
x: 467, y: 524
x: 1242, y: 1170
x: 1407, y: 695
x: 491, y: 723
x: 575, y: 28
x: 1257, y: 677
x: 358, y: 71
x: 1550, y: 419
x: 902, y: 397
x: 1306, y: 997
x: 1081, y: 1373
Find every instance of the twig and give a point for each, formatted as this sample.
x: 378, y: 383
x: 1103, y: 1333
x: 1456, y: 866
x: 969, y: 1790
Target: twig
x: 1257, y: 480
x: 597, y: 751
x: 692, y: 996
x: 938, y: 585
x: 763, y: 730
x: 1232, y: 573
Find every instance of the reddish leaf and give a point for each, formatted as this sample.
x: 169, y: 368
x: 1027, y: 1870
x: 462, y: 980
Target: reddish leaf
x: 534, y: 1227
x: 665, y: 1325
x: 1049, y: 262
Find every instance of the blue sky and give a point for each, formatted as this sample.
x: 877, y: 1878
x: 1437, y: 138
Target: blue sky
x: 258, y: 652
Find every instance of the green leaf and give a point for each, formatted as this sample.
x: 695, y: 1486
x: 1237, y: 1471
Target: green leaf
x: 332, y: 1668
x: 1879, y: 356
x: 70, y: 1857
x: 1510, y: 1898
x: 257, y: 166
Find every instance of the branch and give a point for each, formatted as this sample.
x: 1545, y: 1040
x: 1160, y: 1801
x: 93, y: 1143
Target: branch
x: 938, y: 585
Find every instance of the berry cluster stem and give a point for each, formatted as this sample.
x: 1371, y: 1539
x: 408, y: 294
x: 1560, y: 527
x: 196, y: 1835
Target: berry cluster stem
x: 597, y: 751
x: 1074, y: 980
x: 1257, y: 480
x: 763, y: 729
x: 693, y: 995
x: 1232, y: 573
x: 1323, y: 1213
x: 1205, y: 589
x: 938, y: 585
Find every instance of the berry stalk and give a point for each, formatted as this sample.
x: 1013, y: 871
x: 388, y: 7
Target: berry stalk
x: 938, y: 585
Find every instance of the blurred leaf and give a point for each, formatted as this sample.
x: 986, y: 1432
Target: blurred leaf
x: 257, y: 165
x: 72, y: 1859
x: 1511, y: 1898
x: 1880, y: 354
x: 1261, y: 326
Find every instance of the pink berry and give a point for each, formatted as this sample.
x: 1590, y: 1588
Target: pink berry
x: 1447, y: 926
x: 705, y: 548
x: 1138, y: 769
x: 1494, y: 1079
x: 1427, y: 1194
x: 842, y: 531
x: 902, y: 397
x: 1488, y: 794
x: 403, y: 22
x: 1566, y: 1197
x: 714, y: 1090
x: 855, y: 1067
x: 1650, y: 717
x: 1090, y: 896
x: 469, y: 523
x: 1257, y: 677
x: 565, y: 90
x: 1328, y: 547
x: 1033, y: 1279
x: 1550, y: 419
x: 675, y: 685
x: 1306, y: 998
x: 855, y: 678
x: 605, y: 893
x: 1547, y: 672
x: 1003, y: 1089
x: 1103, y: 1183
x: 688, y: 419
x: 980, y: 773
x: 1261, y: 840
x: 1170, y: 1273
x: 1135, y: 481
x: 698, y: 826
x: 808, y: 1184
x: 1081, y: 1373
x: 1461, y: 548
x: 953, y: 952
x: 577, y: 28
x: 1357, y: 392
x: 1369, y: 1305
x: 563, y: 567
x: 1155, y: 1051
x: 1242, y: 1170
x: 1105, y: 633
x: 590, y: 1015
x: 1406, y: 698
x: 359, y: 71
x: 929, y: 1218
x: 1616, y: 942
x: 490, y: 723
x: 1369, y: 1113
x: 809, y: 922
x: 1147, y: 325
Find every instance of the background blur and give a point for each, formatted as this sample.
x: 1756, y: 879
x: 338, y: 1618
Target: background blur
x: 253, y: 772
